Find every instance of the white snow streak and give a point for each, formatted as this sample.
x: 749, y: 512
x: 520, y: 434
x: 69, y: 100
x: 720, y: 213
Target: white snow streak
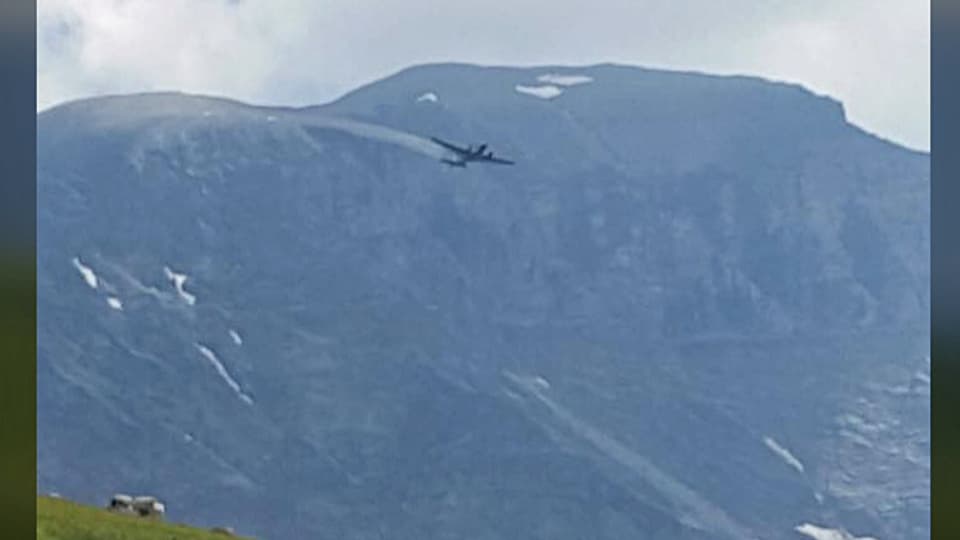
x: 236, y: 337
x: 564, y: 80
x: 224, y: 374
x: 821, y: 533
x: 429, y: 96
x: 785, y: 454
x: 86, y: 272
x: 178, y: 281
x: 544, y: 92
x: 115, y: 303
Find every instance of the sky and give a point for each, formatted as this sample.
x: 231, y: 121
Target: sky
x: 873, y: 55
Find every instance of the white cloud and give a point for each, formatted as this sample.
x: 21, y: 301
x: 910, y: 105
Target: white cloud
x: 871, y: 54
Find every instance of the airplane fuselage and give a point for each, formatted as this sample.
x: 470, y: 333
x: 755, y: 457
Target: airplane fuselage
x: 469, y: 154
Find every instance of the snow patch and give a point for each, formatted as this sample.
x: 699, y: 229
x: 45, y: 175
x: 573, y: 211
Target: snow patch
x: 236, y: 337
x: 224, y: 374
x: 429, y: 96
x: 178, y: 281
x: 115, y: 303
x: 88, y: 275
x: 542, y: 383
x: 821, y: 533
x: 785, y: 454
x: 564, y: 80
x: 548, y: 91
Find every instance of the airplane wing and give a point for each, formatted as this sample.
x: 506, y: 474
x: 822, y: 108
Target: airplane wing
x: 498, y: 160
x: 448, y: 146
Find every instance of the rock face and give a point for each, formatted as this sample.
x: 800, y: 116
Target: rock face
x: 697, y: 307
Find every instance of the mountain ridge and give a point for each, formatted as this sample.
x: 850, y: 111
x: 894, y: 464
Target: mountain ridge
x: 780, y: 85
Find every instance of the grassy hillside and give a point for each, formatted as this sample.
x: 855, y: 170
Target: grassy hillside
x: 63, y: 520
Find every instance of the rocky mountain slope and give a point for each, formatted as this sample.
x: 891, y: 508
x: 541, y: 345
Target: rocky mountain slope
x: 697, y: 307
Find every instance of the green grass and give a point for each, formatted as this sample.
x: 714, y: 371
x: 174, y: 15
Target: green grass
x: 59, y: 519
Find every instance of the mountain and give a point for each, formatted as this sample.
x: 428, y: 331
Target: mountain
x: 696, y: 308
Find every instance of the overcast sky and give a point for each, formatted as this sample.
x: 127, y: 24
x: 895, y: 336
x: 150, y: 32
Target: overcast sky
x: 874, y: 55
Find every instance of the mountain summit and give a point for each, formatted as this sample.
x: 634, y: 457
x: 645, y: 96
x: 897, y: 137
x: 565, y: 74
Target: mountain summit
x: 697, y: 307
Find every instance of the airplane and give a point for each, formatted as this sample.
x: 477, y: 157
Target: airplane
x: 468, y: 154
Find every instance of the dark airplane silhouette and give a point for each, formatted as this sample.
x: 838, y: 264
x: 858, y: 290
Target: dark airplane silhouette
x: 468, y: 154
